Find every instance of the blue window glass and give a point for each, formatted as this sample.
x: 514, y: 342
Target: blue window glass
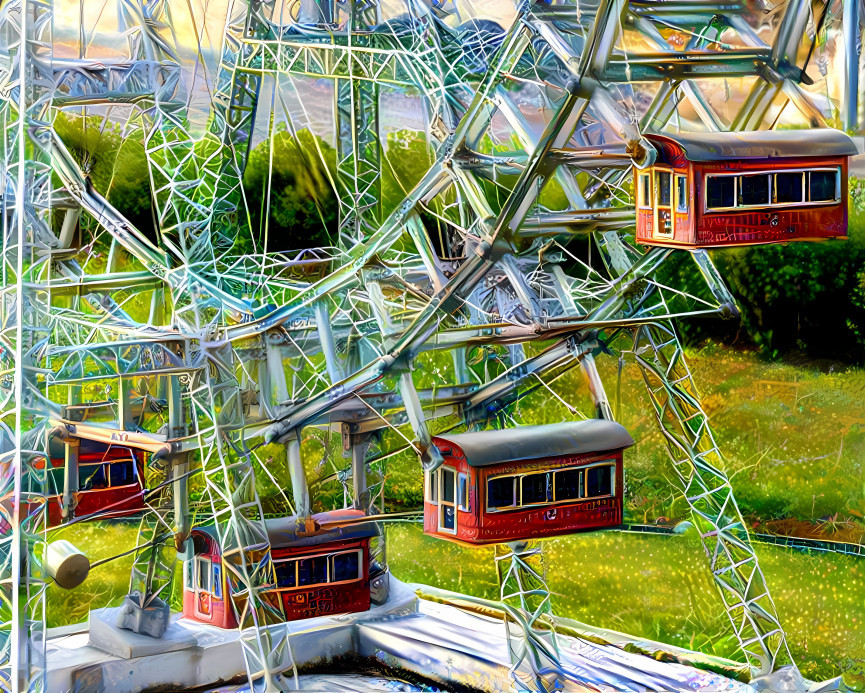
x: 821, y: 186
x: 788, y: 187
x: 720, y: 192
x: 345, y: 567
x: 312, y: 571
x: 535, y: 488
x: 91, y: 476
x: 463, y: 497
x: 500, y: 492
x: 121, y: 473
x: 285, y: 573
x: 217, y: 580
x: 599, y: 481
x: 568, y: 484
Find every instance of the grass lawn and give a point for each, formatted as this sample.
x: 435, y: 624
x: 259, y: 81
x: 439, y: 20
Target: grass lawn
x: 108, y: 583
x: 660, y: 587
x: 794, y: 441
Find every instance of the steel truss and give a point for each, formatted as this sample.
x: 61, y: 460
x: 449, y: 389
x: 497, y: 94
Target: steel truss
x: 26, y: 80
x: 243, y: 348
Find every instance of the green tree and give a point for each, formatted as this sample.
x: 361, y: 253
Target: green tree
x: 115, y: 163
x: 290, y: 195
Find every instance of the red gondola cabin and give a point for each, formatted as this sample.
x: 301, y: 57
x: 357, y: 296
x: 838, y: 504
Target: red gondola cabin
x: 744, y: 188
x: 526, y: 482
x: 108, y: 484
x: 320, y: 570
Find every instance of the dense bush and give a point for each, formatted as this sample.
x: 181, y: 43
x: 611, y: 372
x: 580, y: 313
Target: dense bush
x: 289, y: 191
x: 807, y: 297
x: 116, y: 165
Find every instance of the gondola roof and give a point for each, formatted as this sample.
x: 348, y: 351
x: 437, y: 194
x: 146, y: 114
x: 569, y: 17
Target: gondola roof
x: 523, y: 443
x: 322, y: 528
x: 761, y: 144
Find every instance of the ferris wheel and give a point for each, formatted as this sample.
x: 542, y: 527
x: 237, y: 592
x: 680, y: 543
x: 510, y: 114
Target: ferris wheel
x: 237, y: 346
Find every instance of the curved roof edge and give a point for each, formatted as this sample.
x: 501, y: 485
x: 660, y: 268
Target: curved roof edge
x: 484, y: 448
x: 293, y: 531
x: 761, y: 144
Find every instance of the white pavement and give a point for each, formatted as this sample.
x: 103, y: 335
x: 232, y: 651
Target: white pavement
x: 439, y: 642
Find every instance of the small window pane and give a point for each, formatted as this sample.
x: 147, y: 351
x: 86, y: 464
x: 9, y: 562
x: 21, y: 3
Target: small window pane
x: 187, y: 574
x: 448, y: 478
x: 599, y: 481
x: 92, y: 476
x: 500, y: 492
x: 788, y: 187
x: 463, y: 493
x: 285, y: 573
x: 754, y: 190
x: 55, y: 480
x: 821, y: 187
x: 345, y: 567
x: 217, y: 580
x: 720, y: 192
x: 448, y: 517
x: 121, y: 473
x: 312, y: 571
x: 535, y: 489
x: 568, y: 484
x: 432, y: 486
x: 645, y: 192
x: 662, y: 182
x: 681, y: 194
x: 203, y: 570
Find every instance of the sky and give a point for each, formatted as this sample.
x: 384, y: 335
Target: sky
x: 198, y: 25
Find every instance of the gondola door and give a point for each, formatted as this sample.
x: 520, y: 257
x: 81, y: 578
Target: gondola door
x: 682, y: 204
x: 663, y: 227
x: 447, y: 494
x: 202, y: 584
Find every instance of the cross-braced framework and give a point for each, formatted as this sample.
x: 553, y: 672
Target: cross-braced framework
x: 223, y: 344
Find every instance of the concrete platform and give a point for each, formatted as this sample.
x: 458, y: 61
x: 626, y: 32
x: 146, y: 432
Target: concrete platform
x: 447, y: 644
x: 105, y: 635
x: 440, y: 642
x: 208, y: 656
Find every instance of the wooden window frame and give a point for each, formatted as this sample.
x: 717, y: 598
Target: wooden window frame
x: 547, y: 473
x: 658, y: 207
x: 582, y: 468
x: 216, y: 579
x: 199, y: 560
x: 772, y: 189
x: 581, y: 485
x: 329, y: 570
x: 442, y: 503
x: 431, y: 487
x: 463, y: 481
x: 134, y: 473
x: 678, y: 210
x: 641, y: 202
x: 612, y: 480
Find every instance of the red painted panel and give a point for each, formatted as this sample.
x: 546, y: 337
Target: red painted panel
x: 317, y: 600
x: 118, y: 501
x: 481, y: 527
x: 775, y: 224
x: 326, y: 600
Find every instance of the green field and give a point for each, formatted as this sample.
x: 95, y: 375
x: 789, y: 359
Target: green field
x: 660, y: 587
x: 794, y: 439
